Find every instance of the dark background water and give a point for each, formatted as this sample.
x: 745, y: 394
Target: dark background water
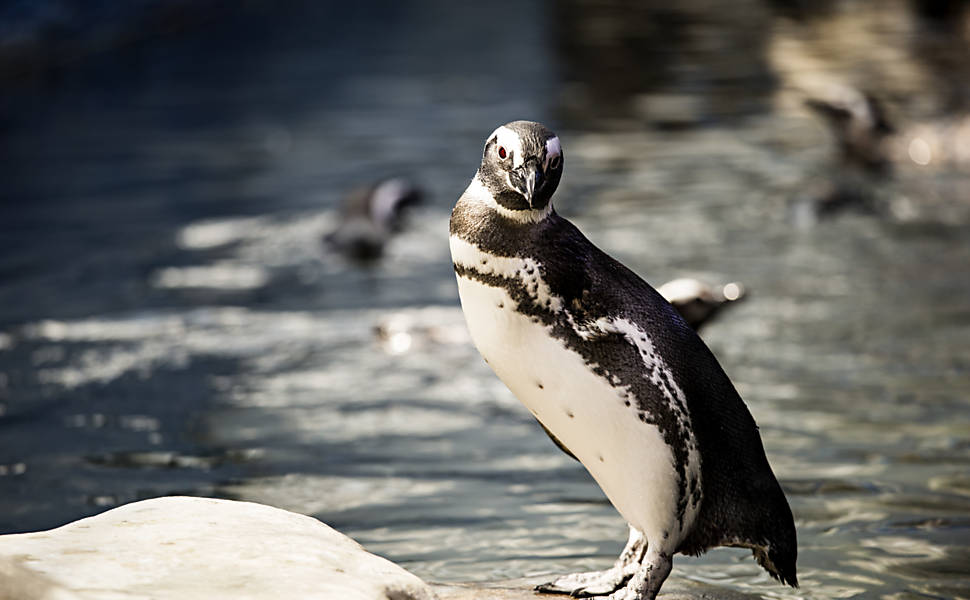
x: 170, y: 322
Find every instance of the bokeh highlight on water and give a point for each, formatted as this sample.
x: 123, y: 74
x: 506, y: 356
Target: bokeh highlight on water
x: 171, y: 324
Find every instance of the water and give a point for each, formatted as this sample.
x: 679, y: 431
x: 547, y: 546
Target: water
x: 170, y: 323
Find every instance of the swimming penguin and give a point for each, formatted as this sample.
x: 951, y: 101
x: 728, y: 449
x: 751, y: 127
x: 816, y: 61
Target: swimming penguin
x: 370, y: 216
x: 613, y: 374
x: 861, y: 126
x: 857, y: 179
x: 698, y: 302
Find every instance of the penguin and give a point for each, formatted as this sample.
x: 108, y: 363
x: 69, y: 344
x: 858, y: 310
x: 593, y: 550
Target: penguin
x: 698, y: 302
x: 861, y: 126
x: 857, y: 178
x: 613, y: 374
x: 370, y: 216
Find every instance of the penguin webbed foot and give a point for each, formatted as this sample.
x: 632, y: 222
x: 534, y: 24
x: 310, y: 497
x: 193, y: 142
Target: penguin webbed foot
x: 629, y: 579
x: 593, y: 583
x: 601, y: 583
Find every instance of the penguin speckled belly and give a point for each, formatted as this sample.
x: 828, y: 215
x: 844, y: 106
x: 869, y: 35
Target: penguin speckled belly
x: 613, y: 374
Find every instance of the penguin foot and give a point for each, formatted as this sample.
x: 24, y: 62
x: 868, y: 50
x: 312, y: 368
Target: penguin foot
x: 649, y: 576
x: 601, y: 583
x: 593, y: 583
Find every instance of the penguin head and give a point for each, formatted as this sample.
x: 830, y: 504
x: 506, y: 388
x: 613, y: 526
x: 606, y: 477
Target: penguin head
x: 521, y: 165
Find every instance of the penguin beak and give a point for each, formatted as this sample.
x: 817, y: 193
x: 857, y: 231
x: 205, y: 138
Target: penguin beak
x: 531, y: 177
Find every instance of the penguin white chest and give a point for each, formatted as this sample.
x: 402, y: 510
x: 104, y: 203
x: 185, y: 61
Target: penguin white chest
x: 595, y: 419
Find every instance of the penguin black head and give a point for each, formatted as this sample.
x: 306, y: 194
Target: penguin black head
x: 521, y: 165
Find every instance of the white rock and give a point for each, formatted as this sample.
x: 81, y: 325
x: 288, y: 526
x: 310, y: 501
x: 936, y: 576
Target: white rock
x: 188, y: 548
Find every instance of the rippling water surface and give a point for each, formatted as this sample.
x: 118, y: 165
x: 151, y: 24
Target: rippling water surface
x: 170, y: 323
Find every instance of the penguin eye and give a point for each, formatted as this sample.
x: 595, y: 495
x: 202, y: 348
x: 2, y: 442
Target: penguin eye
x: 502, y: 153
x: 554, y: 163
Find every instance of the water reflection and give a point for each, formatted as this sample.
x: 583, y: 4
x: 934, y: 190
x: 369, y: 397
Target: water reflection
x: 170, y: 323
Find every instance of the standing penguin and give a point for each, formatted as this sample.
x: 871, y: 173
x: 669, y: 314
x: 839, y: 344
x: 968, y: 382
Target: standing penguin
x: 613, y: 374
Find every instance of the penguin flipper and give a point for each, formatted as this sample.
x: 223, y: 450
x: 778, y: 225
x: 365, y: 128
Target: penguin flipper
x: 557, y: 442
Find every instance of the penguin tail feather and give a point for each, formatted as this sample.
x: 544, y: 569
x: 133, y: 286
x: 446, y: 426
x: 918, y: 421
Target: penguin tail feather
x: 779, y: 564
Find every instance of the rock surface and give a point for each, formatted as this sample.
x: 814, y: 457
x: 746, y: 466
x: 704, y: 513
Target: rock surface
x: 201, y: 548
x: 186, y: 548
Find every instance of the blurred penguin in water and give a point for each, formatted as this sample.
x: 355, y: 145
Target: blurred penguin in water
x: 698, y: 302
x: 860, y: 125
x: 871, y: 149
x: 370, y: 216
x: 862, y: 132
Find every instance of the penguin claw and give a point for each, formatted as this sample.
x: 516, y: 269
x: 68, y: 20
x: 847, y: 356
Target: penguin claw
x: 551, y: 588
